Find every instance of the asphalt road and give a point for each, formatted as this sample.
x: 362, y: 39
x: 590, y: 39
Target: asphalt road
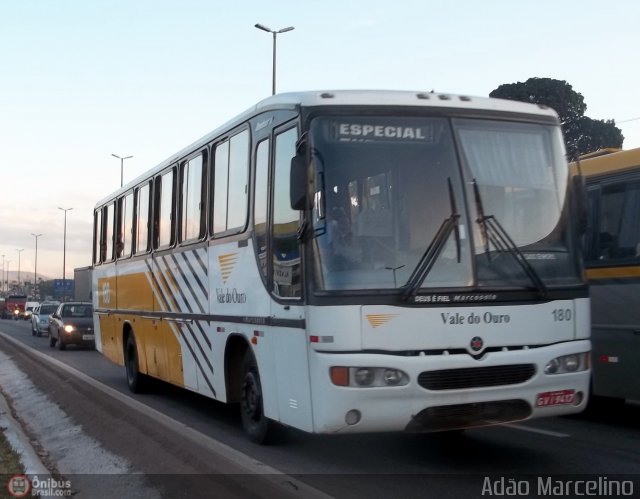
x: 602, y: 446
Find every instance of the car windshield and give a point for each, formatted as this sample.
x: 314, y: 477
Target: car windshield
x: 47, y: 309
x: 77, y: 311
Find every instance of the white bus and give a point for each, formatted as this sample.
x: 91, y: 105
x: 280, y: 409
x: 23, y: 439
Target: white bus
x: 354, y: 261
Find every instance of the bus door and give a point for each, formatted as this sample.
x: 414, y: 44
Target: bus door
x: 287, y: 310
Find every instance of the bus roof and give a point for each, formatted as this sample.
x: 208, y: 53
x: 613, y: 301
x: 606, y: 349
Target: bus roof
x: 391, y: 98
x: 607, y: 161
x: 398, y: 98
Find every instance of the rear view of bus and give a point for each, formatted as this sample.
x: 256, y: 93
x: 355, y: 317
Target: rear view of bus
x: 441, y: 274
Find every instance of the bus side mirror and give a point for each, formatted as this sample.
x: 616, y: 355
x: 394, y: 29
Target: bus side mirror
x: 579, y: 188
x: 298, y: 182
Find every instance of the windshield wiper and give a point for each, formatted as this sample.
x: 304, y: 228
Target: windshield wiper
x: 430, y: 256
x: 493, y: 232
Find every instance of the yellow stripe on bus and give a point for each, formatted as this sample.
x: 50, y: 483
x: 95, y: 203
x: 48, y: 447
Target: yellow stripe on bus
x: 613, y: 272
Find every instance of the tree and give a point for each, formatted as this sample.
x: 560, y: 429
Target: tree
x: 581, y: 133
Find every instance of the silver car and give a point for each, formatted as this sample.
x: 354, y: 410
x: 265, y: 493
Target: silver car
x: 40, y: 317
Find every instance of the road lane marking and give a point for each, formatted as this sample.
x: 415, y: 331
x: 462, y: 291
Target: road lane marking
x: 537, y: 430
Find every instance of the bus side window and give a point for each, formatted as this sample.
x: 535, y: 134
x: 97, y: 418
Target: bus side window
x: 141, y: 227
x: 618, y: 228
x: 97, y: 237
x: 109, y: 222
x: 192, y: 219
x: 163, y: 216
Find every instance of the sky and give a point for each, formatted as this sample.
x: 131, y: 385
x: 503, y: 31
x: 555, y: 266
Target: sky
x: 82, y: 80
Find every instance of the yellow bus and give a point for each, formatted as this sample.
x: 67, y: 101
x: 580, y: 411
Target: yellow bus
x: 354, y: 261
x: 612, y: 255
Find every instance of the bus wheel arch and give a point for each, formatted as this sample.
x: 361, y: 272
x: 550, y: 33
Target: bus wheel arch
x: 245, y: 388
x: 235, y: 352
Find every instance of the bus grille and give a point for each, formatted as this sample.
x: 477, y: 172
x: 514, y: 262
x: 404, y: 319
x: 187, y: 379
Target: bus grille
x: 476, y: 377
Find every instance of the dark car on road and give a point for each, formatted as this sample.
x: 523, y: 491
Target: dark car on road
x: 72, y: 324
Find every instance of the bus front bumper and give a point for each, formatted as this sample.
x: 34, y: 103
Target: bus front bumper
x: 414, y: 407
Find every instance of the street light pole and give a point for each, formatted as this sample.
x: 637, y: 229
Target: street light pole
x: 2, y: 284
x: 35, y: 268
x: 121, y: 166
x: 64, y: 245
x: 7, y: 278
x: 19, y: 252
x: 275, y: 33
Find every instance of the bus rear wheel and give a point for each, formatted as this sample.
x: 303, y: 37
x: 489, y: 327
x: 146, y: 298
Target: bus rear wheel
x: 256, y: 425
x: 136, y: 381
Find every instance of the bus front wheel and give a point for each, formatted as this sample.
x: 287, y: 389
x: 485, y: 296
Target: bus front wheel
x: 256, y: 425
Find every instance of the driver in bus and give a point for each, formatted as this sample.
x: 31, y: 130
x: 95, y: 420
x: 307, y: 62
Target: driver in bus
x: 343, y: 252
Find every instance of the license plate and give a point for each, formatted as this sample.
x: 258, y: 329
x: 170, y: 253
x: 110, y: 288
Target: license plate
x: 87, y: 337
x: 559, y: 397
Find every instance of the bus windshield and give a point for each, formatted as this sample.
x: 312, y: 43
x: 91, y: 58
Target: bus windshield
x: 385, y: 185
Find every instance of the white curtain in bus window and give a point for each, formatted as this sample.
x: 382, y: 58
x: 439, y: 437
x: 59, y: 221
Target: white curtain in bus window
x: 166, y: 203
x: 619, y: 230
x: 142, y: 219
x: 192, y: 199
x: 518, y: 174
x: 286, y: 254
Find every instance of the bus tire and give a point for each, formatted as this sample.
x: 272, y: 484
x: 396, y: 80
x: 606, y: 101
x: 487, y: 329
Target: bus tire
x: 136, y: 381
x: 255, y: 424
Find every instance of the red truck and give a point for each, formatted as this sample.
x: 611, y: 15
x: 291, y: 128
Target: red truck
x: 14, y: 306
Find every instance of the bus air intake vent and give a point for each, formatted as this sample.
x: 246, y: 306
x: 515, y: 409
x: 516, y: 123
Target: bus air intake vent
x: 476, y: 377
x: 469, y: 415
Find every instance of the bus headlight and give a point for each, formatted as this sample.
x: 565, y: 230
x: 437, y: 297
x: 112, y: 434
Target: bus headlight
x: 568, y: 364
x: 365, y: 377
x: 392, y: 377
x: 69, y: 328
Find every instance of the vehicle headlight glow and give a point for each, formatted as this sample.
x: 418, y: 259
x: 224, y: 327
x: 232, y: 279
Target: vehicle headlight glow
x: 367, y: 377
x: 69, y: 328
x: 568, y: 364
